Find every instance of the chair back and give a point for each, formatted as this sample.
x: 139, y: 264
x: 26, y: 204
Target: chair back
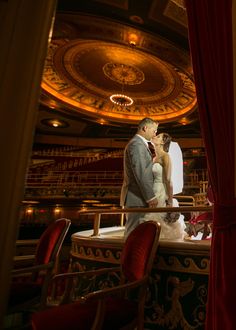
x: 139, y: 250
x: 51, y: 240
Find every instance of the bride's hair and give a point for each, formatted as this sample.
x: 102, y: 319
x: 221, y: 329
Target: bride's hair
x: 166, y: 138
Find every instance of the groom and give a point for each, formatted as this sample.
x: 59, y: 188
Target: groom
x: 137, y: 188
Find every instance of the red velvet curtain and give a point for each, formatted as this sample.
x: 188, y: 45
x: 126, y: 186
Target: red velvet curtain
x: 210, y: 35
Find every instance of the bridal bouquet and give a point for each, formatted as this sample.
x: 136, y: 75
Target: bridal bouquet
x: 171, y: 217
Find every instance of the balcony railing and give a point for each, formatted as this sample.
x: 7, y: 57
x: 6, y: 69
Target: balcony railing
x: 91, y: 183
x: 99, y: 212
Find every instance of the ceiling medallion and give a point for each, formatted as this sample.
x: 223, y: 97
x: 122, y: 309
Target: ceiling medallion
x: 123, y: 74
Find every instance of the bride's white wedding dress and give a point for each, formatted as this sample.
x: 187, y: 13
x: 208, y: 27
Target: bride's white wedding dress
x: 168, y: 231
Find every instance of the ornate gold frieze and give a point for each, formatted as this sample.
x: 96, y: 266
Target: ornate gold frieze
x: 96, y: 254
x: 183, y: 264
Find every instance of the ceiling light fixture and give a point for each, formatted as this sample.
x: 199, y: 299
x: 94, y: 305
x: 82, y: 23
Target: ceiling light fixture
x: 53, y: 122
x: 121, y: 99
x: 124, y: 75
x: 133, y: 39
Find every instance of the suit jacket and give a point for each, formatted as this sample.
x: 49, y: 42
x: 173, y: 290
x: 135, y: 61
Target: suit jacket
x: 137, y: 186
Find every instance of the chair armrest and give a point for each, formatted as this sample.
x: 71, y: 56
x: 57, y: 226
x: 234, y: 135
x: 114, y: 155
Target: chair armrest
x: 31, y: 269
x: 30, y: 257
x: 23, y: 261
x: 86, y: 273
x: 100, y: 294
x: 70, y: 281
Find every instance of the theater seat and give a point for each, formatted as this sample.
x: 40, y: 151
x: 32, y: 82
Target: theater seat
x: 118, y: 307
x: 29, y: 287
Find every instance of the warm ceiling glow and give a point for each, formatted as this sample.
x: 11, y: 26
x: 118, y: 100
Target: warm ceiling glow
x: 29, y: 210
x: 54, y: 122
x: 102, y: 121
x: 30, y: 202
x: 57, y: 210
x: 184, y: 121
x: 136, y: 19
x: 102, y: 205
x: 133, y: 39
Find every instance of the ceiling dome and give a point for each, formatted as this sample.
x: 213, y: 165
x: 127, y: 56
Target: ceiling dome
x: 90, y: 59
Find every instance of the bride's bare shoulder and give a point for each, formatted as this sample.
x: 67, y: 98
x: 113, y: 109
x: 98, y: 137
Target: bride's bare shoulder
x: 166, y: 157
x: 161, y: 158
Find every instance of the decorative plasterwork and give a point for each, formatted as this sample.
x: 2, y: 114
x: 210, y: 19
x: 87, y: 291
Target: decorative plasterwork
x: 175, y: 11
x: 82, y: 73
x: 170, y: 13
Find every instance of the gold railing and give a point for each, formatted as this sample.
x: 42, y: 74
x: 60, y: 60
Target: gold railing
x: 73, y: 178
x: 73, y: 184
x: 185, y: 200
x: 99, y: 212
x: 49, y: 183
x: 196, y: 178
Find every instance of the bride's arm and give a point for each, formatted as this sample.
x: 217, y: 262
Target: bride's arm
x: 167, y: 167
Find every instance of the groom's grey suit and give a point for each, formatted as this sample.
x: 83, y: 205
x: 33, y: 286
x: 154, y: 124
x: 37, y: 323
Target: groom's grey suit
x: 137, y: 187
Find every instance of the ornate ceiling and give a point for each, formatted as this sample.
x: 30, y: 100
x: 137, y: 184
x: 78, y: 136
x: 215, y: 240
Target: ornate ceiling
x: 82, y: 72
x: 100, y: 48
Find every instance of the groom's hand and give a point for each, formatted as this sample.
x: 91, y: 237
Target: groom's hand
x: 153, y: 203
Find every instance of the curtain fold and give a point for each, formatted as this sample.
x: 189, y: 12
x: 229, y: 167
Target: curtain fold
x: 210, y: 36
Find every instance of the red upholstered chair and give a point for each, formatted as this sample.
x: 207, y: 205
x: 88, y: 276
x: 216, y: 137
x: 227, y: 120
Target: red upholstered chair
x: 29, y: 286
x: 117, y: 307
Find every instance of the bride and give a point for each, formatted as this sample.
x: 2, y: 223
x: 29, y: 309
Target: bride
x: 163, y: 188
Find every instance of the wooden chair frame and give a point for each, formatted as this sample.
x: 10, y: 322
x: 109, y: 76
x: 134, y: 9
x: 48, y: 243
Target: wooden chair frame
x: 48, y: 270
x: 123, y: 289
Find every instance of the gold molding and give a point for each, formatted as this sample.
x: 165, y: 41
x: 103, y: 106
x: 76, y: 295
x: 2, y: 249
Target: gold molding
x: 188, y: 265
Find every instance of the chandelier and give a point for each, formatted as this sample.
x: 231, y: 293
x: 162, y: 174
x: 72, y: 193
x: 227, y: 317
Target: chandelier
x: 121, y: 99
x: 124, y: 75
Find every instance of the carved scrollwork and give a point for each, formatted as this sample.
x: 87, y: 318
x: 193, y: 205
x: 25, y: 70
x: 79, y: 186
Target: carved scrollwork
x: 165, y: 307
x: 186, y: 264
x: 108, y: 255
